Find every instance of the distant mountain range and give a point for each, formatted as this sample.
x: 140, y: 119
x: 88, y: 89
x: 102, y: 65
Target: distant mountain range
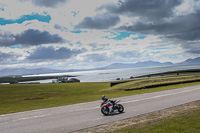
x: 24, y: 71
x: 138, y: 64
x: 190, y: 61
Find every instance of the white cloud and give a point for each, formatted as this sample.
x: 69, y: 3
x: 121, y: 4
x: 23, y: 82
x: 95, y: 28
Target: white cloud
x: 187, y: 7
x: 94, y: 41
x: 16, y: 28
x: 13, y: 9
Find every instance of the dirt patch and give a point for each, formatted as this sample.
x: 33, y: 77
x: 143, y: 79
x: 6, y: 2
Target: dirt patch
x: 146, y: 118
x: 33, y: 98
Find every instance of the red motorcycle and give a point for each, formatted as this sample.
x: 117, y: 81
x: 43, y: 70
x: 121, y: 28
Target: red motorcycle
x: 107, y: 108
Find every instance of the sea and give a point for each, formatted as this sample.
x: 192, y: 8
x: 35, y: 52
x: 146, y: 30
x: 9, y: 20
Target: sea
x: 113, y: 74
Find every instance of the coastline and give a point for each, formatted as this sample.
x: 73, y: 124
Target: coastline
x: 111, y: 75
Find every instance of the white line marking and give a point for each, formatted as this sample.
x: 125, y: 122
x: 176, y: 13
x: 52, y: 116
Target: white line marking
x: 89, y: 108
x: 25, y: 118
x: 97, y: 119
x: 33, y: 117
x: 158, y: 96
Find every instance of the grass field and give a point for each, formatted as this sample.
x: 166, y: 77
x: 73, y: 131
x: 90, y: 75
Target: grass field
x: 156, y: 82
x: 23, y: 97
x: 180, y: 122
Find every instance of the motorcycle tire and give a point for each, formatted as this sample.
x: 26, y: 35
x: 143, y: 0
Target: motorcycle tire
x: 105, y: 110
x: 120, y: 108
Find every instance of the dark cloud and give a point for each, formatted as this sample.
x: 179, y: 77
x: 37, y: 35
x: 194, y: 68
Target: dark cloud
x: 96, y: 57
x: 99, y: 22
x: 191, y: 47
x: 6, y: 38
x: 181, y: 27
x: 36, y: 37
x: 151, y: 28
x: 29, y: 37
x: 194, y: 51
x: 50, y: 53
x: 193, y: 35
x: 176, y: 24
x: 153, y: 9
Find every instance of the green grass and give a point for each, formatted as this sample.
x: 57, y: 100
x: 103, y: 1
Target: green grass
x: 187, y: 122
x: 173, y: 73
x: 23, y: 97
x: 147, y: 83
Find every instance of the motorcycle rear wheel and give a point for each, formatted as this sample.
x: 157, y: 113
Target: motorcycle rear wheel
x: 120, y: 108
x: 105, y: 110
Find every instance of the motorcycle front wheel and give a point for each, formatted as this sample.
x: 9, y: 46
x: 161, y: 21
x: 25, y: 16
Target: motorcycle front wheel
x: 120, y: 108
x: 105, y: 110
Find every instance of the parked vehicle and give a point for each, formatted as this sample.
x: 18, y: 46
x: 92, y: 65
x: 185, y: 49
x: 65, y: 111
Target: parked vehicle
x: 64, y: 79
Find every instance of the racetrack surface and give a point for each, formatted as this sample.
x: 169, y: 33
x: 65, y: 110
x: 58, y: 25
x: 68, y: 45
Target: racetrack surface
x: 79, y: 116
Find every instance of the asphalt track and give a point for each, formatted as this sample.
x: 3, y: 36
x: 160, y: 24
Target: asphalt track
x: 79, y: 116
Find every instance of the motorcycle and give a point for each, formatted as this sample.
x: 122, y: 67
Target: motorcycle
x: 107, y: 108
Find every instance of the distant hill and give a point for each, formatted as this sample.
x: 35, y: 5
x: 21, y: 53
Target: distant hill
x: 190, y: 61
x: 135, y: 65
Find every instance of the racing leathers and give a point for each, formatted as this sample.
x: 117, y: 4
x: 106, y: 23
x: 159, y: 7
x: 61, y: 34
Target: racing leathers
x: 106, y: 100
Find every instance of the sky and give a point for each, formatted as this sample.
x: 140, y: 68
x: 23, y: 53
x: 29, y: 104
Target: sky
x: 83, y: 34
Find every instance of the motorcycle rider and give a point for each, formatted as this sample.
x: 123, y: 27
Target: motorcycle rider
x: 105, y: 99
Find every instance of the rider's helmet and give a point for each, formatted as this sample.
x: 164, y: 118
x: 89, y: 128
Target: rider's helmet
x: 103, y: 97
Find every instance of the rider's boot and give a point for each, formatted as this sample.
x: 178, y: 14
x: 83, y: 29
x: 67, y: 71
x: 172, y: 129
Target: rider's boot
x: 113, y: 108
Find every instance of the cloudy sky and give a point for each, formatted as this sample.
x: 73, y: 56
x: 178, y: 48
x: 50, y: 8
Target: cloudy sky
x: 74, y: 34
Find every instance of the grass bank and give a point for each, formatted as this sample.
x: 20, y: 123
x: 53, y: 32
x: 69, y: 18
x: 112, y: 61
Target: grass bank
x: 156, y: 82
x: 23, y: 97
x: 173, y: 73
